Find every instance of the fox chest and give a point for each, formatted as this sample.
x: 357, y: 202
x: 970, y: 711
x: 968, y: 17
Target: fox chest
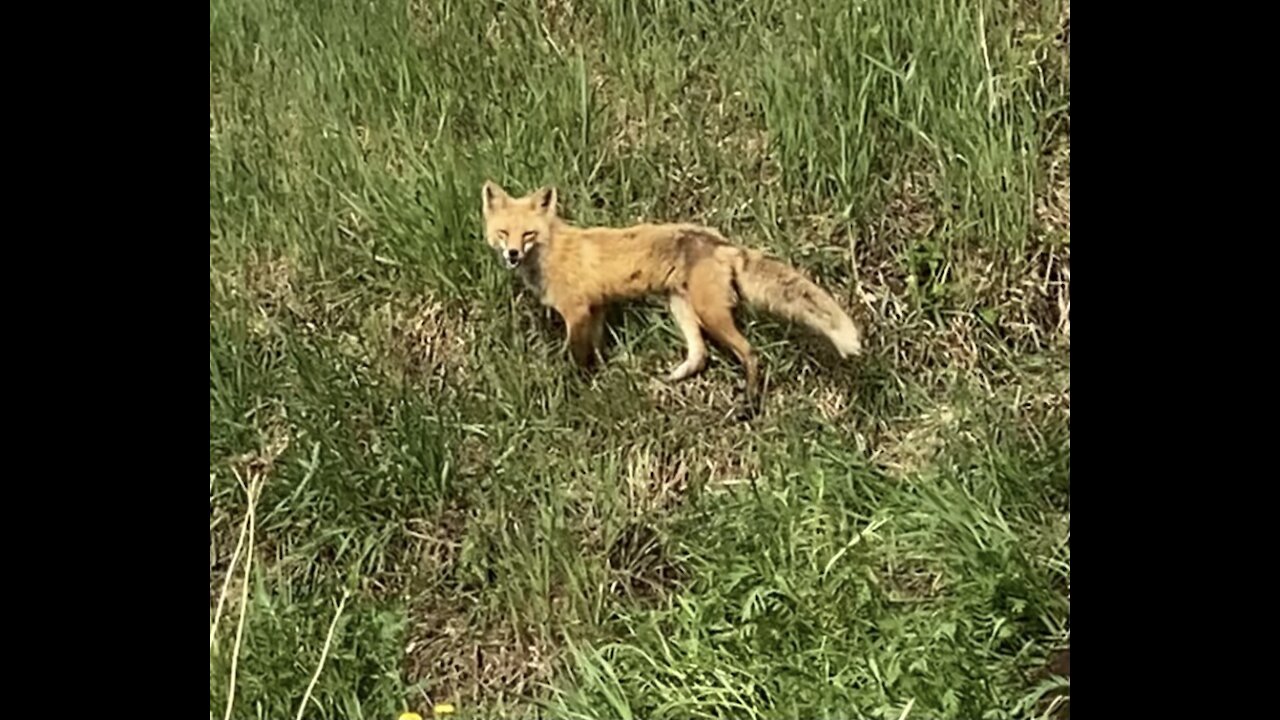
x: 557, y: 280
x: 534, y: 277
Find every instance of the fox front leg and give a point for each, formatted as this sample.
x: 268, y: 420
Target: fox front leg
x: 597, y: 331
x: 579, y: 322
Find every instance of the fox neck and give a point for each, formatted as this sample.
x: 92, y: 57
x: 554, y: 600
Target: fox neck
x: 559, y: 228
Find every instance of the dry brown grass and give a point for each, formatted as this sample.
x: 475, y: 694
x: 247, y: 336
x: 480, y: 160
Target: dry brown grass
x: 451, y: 654
x: 910, y: 446
x: 542, y: 507
x: 420, y: 342
x: 458, y: 661
x: 911, y: 579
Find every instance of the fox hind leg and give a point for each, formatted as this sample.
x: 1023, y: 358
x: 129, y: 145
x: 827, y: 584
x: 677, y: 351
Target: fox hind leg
x: 720, y: 326
x: 713, y: 301
x: 687, y: 320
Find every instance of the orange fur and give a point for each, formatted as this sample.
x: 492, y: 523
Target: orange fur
x: 578, y: 271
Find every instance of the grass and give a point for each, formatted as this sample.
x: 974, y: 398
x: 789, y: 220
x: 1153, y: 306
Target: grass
x: 413, y: 497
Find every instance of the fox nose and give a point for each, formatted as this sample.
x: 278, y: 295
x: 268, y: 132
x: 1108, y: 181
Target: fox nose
x: 513, y: 254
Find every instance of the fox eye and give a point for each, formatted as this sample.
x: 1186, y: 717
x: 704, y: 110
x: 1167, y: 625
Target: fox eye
x: 502, y: 234
x: 529, y: 236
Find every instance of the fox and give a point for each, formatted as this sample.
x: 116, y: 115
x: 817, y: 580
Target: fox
x: 579, y: 271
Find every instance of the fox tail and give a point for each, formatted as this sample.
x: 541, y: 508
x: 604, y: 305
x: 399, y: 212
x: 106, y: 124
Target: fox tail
x: 781, y: 289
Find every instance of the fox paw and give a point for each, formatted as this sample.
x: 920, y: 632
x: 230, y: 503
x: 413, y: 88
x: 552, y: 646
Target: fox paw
x: 684, y: 370
x: 678, y: 374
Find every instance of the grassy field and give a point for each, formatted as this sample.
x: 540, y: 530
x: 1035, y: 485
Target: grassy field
x: 414, y: 498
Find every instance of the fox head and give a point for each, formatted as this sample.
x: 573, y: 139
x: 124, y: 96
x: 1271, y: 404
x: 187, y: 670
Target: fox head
x: 513, y: 226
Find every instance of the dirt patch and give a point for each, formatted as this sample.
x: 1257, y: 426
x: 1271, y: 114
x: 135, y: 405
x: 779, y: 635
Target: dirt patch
x: 639, y: 563
x: 1056, y: 703
x: 456, y: 653
x: 267, y: 283
x: 909, y: 447
x: 911, y: 580
x: 420, y: 342
x: 438, y: 542
x: 1060, y: 663
x: 656, y: 478
x: 456, y: 659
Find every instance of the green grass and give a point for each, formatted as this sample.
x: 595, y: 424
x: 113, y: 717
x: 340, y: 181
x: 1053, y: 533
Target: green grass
x: 504, y: 535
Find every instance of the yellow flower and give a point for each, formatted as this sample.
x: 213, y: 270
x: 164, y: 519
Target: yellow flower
x: 410, y: 716
x: 443, y: 709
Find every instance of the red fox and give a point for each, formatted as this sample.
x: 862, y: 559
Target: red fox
x: 578, y: 271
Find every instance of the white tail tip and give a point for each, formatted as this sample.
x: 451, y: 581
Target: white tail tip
x: 848, y: 340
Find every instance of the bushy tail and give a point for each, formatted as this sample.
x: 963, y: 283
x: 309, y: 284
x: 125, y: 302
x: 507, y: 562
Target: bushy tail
x: 781, y: 289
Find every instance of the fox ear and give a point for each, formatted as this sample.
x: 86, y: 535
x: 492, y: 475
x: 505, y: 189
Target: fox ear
x: 544, y: 201
x: 494, y: 196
